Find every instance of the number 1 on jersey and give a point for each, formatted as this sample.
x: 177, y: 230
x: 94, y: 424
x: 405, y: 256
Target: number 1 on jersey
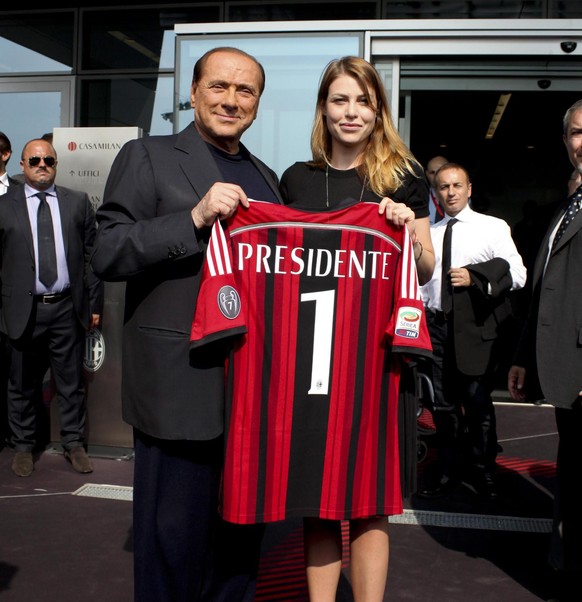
x: 322, y: 339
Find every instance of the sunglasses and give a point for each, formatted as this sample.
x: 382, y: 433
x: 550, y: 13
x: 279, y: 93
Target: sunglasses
x: 35, y: 161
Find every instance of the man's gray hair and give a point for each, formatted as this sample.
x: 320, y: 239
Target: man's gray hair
x: 577, y: 106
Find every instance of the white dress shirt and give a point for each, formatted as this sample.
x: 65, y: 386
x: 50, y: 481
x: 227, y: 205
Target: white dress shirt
x: 476, y: 238
x: 4, y: 183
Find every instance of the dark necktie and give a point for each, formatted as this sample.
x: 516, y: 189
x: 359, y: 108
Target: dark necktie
x: 446, y: 288
x: 47, y: 257
x: 571, y: 211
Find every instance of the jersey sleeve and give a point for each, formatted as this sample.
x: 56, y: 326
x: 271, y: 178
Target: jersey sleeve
x: 407, y: 330
x: 218, y: 313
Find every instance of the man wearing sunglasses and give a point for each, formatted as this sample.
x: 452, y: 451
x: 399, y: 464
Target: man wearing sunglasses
x: 50, y: 297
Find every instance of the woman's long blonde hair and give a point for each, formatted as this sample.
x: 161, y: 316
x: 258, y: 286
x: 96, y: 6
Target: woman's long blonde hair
x: 386, y: 159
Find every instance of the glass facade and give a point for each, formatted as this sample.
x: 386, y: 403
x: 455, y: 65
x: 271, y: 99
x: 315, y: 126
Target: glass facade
x: 121, y: 59
x: 460, y: 9
x: 37, y: 42
x: 272, y: 10
x: 136, y: 39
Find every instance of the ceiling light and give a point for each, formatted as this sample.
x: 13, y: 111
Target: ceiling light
x: 135, y: 45
x: 497, y: 115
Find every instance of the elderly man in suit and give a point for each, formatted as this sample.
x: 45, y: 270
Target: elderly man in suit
x: 50, y: 298
x: 477, y: 264
x: 162, y: 196
x: 549, y: 356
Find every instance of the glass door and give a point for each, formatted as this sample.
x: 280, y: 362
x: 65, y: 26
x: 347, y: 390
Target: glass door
x: 501, y: 118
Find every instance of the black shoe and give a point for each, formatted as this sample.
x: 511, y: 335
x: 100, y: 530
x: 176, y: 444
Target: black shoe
x: 79, y: 459
x: 444, y: 486
x: 485, y: 485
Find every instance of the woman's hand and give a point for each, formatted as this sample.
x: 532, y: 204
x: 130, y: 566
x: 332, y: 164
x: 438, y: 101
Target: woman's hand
x: 398, y: 214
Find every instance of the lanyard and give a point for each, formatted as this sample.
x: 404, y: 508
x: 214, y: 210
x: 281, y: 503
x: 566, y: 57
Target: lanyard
x: 436, y: 204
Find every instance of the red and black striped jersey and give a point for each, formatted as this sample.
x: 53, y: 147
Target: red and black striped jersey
x: 321, y: 307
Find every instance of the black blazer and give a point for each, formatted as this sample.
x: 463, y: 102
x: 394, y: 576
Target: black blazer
x: 146, y: 238
x: 551, y: 341
x: 17, y: 267
x: 478, y: 314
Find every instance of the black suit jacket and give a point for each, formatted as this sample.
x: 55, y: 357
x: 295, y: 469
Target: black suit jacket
x: 146, y: 238
x: 478, y: 314
x: 551, y: 342
x: 17, y: 263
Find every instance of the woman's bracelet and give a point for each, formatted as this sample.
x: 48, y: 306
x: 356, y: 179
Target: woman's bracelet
x: 417, y: 259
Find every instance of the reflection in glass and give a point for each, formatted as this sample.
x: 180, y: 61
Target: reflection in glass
x: 459, y: 9
x: 122, y: 102
x: 23, y: 120
x: 134, y: 38
x: 36, y: 43
x: 302, y: 11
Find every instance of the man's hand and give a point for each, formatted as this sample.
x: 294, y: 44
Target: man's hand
x: 95, y: 321
x: 460, y: 277
x: 220, y: 202
x: 516, y: 382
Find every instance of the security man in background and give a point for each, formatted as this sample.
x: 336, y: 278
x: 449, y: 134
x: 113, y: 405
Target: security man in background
x: 50, y: 298
x: 477, y: 264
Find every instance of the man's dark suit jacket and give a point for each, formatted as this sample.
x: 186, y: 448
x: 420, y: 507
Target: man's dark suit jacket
x: 478, y: 313
x: 17, y: 264
x: 551, y: 343
x: 146, y: 237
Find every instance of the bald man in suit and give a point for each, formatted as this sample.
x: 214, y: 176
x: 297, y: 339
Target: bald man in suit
x: 45, y: 315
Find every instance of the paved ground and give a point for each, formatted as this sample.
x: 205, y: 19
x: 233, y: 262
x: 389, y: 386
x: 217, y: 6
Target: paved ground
x: 68, y: 536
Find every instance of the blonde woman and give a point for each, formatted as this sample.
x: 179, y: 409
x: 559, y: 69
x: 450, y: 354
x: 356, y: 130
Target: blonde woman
x: 357, y: 156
